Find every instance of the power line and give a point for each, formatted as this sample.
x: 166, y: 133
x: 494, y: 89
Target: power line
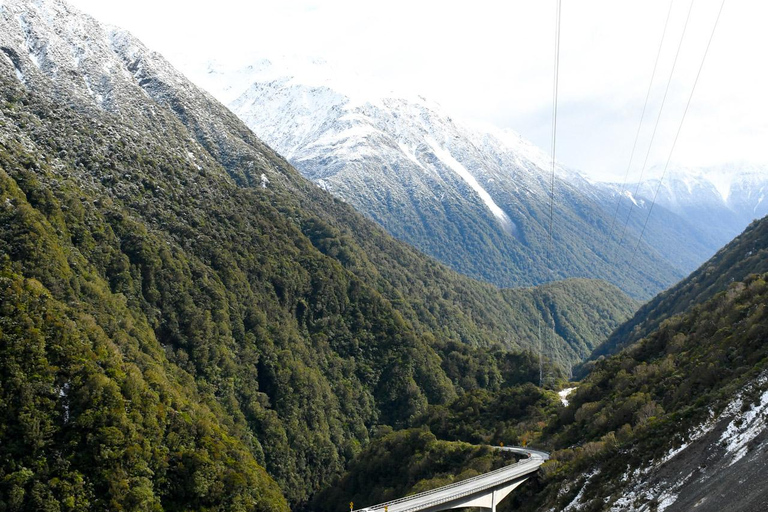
x: 658, y: 118
x: 642, y: 117
x: 555, y: 85
x: 554, y: 129
x: 679, y: 128
x: 541, y: 371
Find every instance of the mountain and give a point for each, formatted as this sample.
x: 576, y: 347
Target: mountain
x: 746, y: 254
x: 187, y: 323
x: 696, y: 211
x: 477, y: 199
x: 676, y: 420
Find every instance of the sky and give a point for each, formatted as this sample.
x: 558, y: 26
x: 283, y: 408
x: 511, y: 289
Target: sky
x: 493, y: 62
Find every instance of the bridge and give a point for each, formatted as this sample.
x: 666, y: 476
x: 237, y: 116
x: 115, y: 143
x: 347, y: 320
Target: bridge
x: 482, y: 491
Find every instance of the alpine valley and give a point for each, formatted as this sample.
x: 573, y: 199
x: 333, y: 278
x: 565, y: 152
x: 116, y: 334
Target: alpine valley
x: 188, y: 323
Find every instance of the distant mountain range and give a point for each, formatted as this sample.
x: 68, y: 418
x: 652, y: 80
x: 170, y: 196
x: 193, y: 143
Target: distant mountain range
x: 476, y: 198
x: 719, y: 201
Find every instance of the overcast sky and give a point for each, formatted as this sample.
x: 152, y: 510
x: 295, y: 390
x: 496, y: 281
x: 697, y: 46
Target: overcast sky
x: 492, y: 61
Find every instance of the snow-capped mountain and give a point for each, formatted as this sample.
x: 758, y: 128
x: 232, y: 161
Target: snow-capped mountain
x: 475, y: 197
x: 722, y: 200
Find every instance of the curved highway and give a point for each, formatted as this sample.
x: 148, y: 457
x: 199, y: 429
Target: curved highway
x: 484, y: 483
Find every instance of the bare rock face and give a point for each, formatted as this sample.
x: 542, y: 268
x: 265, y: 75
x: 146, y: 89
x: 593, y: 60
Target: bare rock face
x: 721, y: 465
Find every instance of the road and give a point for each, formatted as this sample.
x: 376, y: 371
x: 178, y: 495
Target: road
x: 471, y: 486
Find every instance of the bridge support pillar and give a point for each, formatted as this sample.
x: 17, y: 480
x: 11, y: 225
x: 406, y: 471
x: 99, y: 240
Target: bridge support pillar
x: 486, y: 499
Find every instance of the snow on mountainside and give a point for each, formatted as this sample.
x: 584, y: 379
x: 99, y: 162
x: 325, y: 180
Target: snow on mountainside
x: 475, y: 197
x: 725, y: 198
x: 717, y: 465
x: 54, y: 48
x: 84, y: 56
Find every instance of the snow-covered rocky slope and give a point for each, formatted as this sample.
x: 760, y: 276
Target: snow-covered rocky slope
x: 718, y: 465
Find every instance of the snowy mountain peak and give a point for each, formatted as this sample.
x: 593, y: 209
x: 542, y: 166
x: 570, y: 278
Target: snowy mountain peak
x: 476, y: 197
x: 317, y: 118
x: 721, y: 180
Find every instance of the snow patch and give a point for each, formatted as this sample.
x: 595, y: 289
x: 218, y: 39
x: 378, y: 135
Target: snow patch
x: 348, y: 137
x: 574, y: 504
x: 744, y: 427
x: 323, y: 184
x: 632, y: 198
x: 63, y: 392
x: 410, y: 154
x: 88, y: 87
x: 563, y: 394
x: 722, y: 183
x: 31, y: 46
x: 453, y: 164
x: 694, y: 435
x: 666, y: 501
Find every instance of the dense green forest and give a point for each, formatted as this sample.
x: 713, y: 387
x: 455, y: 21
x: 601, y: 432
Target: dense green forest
x: 89, y: 420
x: 631, y: 409
x: 407, y: 462
x: 195, y: 325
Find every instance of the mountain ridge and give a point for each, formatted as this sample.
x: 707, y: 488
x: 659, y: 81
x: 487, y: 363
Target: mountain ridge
x: 476, y: 200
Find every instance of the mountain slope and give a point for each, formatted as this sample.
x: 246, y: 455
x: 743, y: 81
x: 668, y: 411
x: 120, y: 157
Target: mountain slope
x: 696, y: 211
x: 676, y: 420
x: 723, y: 198
x: 680, y: 415
x: 476, y: 199
x: 747, y: 254
x: 262, y: 323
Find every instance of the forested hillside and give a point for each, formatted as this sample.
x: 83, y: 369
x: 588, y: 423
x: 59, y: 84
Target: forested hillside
x: 675, y: 420
x: 699, y: 380
x: 181, y: 310
x: 746, y: 254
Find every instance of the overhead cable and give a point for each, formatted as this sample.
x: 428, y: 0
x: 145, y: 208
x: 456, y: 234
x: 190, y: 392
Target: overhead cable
x: 658, y: 118
x: 679, y: 128
x: 642, y: 117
